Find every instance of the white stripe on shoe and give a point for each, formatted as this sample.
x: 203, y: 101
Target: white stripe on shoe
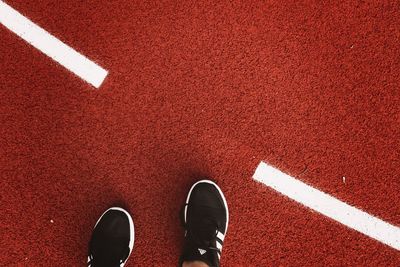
x: 219, y: 245
x: 220, y: 236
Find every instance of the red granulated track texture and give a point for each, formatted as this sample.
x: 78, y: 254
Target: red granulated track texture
x: 198, y: 89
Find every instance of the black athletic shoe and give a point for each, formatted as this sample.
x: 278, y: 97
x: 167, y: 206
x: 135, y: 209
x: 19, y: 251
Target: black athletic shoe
x: 205, y: 218
x: 112, y: 239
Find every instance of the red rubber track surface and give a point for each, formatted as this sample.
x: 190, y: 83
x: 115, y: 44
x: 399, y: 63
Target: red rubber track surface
x: 201, y: 89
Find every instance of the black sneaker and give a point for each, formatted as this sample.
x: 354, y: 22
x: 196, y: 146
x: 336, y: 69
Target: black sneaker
x: 205, y: 218
x: 112, y: 239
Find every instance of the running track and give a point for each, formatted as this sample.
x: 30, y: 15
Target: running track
x: 201, y: 88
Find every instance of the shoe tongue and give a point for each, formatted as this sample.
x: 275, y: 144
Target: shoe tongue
x: 109, y: 255
x: 195, y: 253
x: 205, y: 256
x: 205, y: 229
x: 100, y: 261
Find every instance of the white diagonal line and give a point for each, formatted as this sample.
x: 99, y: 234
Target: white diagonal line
x: 51, y: 46
x: 329, y: 206
x: 220, y: 236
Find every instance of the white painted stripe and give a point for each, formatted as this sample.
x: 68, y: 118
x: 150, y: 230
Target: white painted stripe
x: 51, y: 46
x: 328, y: 205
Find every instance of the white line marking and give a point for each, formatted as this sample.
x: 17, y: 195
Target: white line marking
x: 51, y: 46
x: 328, y: 205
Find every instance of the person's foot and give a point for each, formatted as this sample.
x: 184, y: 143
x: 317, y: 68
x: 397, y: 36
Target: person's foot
x: 112, y: 239
x: 205, y: 218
